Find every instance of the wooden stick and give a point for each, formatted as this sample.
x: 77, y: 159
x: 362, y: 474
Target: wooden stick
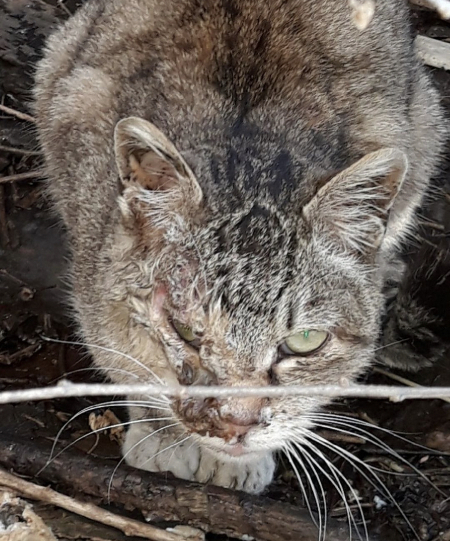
x: 401, y: 379
x: 66, y: 389
x: 22, y: 176
x: 433, y: 52
x: 17, y: 114
x: 161, y: 497
x: 44, y: 494
x: 21, y: 151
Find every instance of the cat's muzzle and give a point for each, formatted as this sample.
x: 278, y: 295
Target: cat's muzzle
x: 229, y: 420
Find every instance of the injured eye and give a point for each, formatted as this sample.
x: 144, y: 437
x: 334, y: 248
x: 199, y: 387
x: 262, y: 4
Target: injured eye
x: 186, y: 333
x: 304, y: 342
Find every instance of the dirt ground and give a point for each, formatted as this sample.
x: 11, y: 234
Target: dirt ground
x: 33, y: 303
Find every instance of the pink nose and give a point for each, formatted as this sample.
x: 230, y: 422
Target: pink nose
x: 242, y: 414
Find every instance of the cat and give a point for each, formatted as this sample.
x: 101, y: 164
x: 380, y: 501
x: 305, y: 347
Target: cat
x: 236, y: 179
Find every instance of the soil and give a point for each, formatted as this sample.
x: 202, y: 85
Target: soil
x: 33, y: 303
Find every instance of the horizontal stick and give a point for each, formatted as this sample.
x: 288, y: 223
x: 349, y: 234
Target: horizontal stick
x: 22, y: 176
x: 17, y: 114
x: 433, y: 52
x: 67, y: 389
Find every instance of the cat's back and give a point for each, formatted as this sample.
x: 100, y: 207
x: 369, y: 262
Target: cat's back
x: 197, y: 68
x: 260, y: 50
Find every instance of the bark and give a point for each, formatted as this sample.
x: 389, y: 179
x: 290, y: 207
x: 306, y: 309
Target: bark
x: 164, y: 498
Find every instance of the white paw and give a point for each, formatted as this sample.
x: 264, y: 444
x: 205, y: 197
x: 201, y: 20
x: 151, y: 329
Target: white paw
x: 159, y: 452
x: 252, y: 475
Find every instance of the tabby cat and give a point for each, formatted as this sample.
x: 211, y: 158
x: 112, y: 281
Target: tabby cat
x: 236, y: 178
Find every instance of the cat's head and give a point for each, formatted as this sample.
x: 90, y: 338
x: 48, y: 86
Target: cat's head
x: 255, y: 294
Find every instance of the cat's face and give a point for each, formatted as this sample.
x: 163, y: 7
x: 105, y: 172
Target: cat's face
x: 252, y: 296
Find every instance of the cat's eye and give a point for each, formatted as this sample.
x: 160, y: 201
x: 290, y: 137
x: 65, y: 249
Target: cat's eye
x: 186, y: 333
x: 304, y: 342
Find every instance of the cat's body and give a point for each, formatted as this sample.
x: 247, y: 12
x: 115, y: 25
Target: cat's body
x: 254, y: 212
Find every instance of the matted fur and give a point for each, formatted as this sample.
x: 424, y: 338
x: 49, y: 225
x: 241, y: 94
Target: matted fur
x: 248, y: 168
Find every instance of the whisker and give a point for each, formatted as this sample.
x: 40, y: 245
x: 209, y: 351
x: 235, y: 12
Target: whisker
x: 381, y: 445
x: 335, y: 481
x: 288, y: 450
x: 322, y: 524
x: 351, y: 421
x: 313, y: 467
x: 334, y: 477
x: 145, y: 438
x: 128, y: 403
x: 355, y: 461
x: 96, y: 369
x: 391, y: 344
x: 108, y: 350
x: 117, y: 425
x: 349, y: 432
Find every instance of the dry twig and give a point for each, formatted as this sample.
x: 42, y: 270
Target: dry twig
x: 67, y: 389
x: 433, y: 52
x: 21, y: 151
x: 403, y: 380
x: 44, y: 494
x: 17, y: 114
x: 22, y: 176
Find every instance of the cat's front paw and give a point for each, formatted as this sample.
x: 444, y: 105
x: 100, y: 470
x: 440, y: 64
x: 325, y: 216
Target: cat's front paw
x: 251, y: 475
x: 159, y: 452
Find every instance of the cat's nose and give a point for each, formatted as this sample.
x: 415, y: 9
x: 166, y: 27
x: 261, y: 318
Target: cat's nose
x: 227, y: 420
x: 243, y: 412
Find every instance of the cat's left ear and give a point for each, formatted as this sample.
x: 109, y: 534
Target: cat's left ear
x: 152, y: 172
x: 353, y: 207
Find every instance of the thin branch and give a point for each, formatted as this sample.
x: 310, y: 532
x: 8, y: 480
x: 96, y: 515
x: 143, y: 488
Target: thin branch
x: 44, y: 494
x: 17, y: 114
x: 22, y: 176
x: 433, y: 52
x: 401, y: 379
x: 21, y: 151
x: 67, y: 389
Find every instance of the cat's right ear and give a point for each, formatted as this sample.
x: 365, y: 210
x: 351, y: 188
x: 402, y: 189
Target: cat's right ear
x: 155, y: 180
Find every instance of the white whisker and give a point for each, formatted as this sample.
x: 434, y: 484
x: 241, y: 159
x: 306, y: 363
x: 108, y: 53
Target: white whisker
x: 289, y: 451
x: 108, y: 350
x: 145, y: 438
x: 355, y: 461
x: 98, y: 430
x: 335, y: 477
x: 127, y: 403
x: 350, y: 423
x: 96, y: 369
x: 174, y: 449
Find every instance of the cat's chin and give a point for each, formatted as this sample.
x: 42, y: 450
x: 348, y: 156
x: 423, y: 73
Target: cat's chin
x: 235, y: 450
x: 230, y: 451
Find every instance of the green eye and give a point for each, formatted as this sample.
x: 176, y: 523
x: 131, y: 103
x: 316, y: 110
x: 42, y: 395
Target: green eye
x: 186, y: 333
x: 304, y: 342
